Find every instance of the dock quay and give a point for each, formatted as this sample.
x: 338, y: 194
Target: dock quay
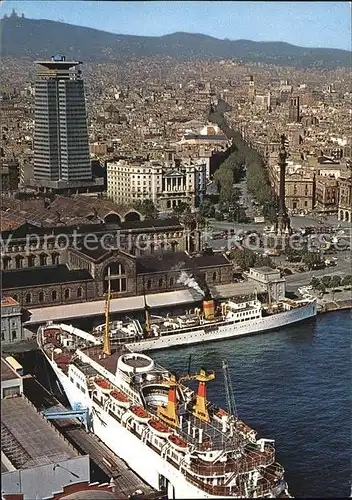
x: 126, y: 482
x: 68, y: 312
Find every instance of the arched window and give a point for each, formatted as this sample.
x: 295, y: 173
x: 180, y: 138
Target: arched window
x: 214, y: 277
x: 31, y: 260
x: 172, y: 281
x: 152, y: 247
x: 79, y: 292
x: 6, y: 263
x: 19, y: 261
x: 174, y: 246
x: 160, y: 283
x: 41, y: 297
x: 28, y: 298
x: 149, y: 284
x: 54, y: 258
x: 14, y: 335
x: 168, y: 204
x: 67, y: 293
x: 54, y: 295
x: 118, y: 277
x: 43, y: 259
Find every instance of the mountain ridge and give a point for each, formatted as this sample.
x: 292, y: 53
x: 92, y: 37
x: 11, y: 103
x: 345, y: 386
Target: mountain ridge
x: 33, y: 38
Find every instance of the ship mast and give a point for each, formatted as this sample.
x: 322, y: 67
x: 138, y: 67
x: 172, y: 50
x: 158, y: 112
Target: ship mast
x: 107, y: 349
x: 147, y: 314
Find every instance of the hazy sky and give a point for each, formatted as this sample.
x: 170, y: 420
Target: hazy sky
x: 310, y: 24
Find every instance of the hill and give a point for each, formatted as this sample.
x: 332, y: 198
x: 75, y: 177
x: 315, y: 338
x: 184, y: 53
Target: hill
x: 21, y: 37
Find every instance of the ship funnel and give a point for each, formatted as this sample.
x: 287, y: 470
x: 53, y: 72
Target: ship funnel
x: 209, y: 309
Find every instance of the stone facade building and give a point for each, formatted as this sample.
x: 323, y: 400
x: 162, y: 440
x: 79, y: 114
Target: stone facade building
x: 85, y: 276
x: 166, y: 183
x: 345, y: 200
x: 11, y: 322
x: 299, y: 188
x: 327, y: 194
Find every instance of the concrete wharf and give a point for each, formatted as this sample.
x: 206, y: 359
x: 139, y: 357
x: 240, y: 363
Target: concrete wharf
x: 127, y: 482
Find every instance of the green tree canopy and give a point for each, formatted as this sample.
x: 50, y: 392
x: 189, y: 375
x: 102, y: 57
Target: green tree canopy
x: 147, y: 208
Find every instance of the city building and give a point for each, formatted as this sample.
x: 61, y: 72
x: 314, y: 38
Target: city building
x: 267, y: 280
x: 36, y: 461
x: 61, y: 149
x: 11, y: 320
x: 166, y: 183
x: 10, y: 175
x: 84, y: 276
x: 326, y: 194
x: 294, y: 110
x: 11, y: 378
x: 299, y: 187
x: 345, y: 200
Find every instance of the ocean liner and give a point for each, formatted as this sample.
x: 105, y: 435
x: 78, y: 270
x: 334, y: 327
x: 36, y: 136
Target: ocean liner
x: 174, y: 438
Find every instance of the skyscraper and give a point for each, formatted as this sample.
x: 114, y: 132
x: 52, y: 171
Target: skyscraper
x: 61, y: 148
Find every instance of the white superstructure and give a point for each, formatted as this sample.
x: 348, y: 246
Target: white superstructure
x: 236, y: 319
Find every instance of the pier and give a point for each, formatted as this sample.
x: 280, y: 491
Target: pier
x: 126, y: 481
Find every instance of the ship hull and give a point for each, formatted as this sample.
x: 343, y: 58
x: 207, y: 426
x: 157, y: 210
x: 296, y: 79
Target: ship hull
x: 227, y: 331
x: 145, y: 462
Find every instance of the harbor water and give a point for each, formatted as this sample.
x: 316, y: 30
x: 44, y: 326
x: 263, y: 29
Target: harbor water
x: 294, y: 386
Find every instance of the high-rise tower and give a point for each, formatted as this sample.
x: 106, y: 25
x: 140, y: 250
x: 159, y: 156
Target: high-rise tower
x: 61, y: 148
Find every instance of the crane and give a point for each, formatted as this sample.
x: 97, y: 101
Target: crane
x: 230, y: 398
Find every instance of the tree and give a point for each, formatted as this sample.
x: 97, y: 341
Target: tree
x: 312, y: 260
x: 335, y: 281
x: 293, y: 255
x: 206, y: 209
x: 182, y: 208
x: 347, y: 280
x: 315, y: 283
x: 147, y: 208
x: 326, y: 281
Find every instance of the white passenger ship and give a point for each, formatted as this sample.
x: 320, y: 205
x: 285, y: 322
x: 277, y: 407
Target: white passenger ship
x: 231, y: 319
x: 174, y: 439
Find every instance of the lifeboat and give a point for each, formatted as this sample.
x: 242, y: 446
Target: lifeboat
x: 139, y: 414
x: 178, y: 443
x: 120, y: 399
x: 158, y: 428
x: 102, y: 385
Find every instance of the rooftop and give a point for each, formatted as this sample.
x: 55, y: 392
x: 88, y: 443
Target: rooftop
x: 8, y: 301
x: 165, y: 261
x: 19, y: 278
x: 27, y: 439
x: 264, y: 269
x: 7, y: 373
